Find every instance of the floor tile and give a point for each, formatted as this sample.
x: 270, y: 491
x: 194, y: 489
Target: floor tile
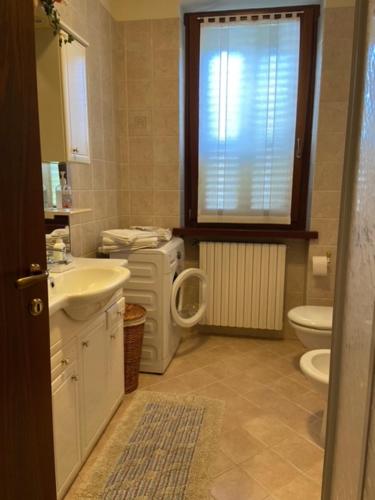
x: 239, y: 446
x: 284, y: 365
x: 222, y: 370
x: 260, y: 373
x: 196, y: 379
x: 237, y: 485
x: 239, y: 411
x: 301, y: 488
x: 240, y: 383
x: 173, y: 385
x: 268, y: 429
x: 216, y: 390
x: 299, y: 452
x: 269, y: 446
x: 292, y: 415
x: 310, y: 401
x: 316, y: 472
x: 288, y: 387
x: 178, y: 366
x: 299, y: 377
x: 286, y: 347
x: 221, y: 464
x: 147, y: 379
x: 264, y: 397
x: 270, y: 470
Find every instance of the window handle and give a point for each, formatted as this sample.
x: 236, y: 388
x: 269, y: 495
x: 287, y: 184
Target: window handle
x: 299, y: 148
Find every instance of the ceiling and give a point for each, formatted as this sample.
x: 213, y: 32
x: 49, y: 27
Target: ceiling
x: 202, y: 5
x: 128, y: 10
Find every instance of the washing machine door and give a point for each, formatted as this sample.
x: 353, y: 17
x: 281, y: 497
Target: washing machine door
x: 176, y: 296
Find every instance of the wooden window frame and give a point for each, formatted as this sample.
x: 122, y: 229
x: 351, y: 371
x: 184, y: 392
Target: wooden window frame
x: 305, y: 102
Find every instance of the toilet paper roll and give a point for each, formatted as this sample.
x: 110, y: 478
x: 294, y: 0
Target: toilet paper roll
x: 320, y: 266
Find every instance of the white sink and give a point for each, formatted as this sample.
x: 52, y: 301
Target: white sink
x: 84, y: 290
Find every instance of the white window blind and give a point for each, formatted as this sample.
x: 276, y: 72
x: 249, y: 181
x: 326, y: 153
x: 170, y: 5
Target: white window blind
x: 248, y: 88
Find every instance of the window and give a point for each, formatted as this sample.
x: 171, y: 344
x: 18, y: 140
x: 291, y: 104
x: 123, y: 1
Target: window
x: 250, y: 82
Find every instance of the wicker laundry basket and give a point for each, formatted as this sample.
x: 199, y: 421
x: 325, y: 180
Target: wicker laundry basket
x: 134, y: 322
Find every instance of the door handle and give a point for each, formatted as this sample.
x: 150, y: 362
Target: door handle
x: 36, y: 276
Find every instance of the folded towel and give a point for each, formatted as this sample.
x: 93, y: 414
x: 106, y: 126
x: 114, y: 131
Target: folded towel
x: 127, y: 236
x: 139, y: 244
x: 60, y: 233
x: 164, y: 234
x: 135, y: 238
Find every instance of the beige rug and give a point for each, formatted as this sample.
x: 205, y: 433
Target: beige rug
x: 160, y: 449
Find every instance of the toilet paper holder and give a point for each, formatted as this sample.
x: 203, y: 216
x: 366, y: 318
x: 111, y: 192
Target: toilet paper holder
x: 329, y: 257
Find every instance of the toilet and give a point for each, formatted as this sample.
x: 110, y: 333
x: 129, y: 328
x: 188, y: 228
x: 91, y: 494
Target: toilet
x: 315, y: 366
x: 313, y: 325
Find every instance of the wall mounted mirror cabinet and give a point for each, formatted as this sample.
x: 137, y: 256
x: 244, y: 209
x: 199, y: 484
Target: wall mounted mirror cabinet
x: 62, y: 98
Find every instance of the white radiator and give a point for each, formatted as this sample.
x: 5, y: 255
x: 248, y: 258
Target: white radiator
x: 246, y: 284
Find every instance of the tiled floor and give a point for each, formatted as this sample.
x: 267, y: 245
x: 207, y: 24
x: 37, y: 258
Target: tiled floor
x: 269, y: 447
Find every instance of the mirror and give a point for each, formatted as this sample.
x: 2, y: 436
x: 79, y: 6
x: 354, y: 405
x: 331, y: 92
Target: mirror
x: 55, y: 228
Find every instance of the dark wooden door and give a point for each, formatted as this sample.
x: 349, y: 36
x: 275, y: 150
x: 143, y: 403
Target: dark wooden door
x: 26, y: 439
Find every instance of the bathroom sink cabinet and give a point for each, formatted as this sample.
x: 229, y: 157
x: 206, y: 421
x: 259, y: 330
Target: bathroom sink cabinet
x: 62, y: 98
x: 87, y: 372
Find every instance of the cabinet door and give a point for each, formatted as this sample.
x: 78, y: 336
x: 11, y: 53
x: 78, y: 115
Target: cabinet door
x: 75, y: 98
x: 66, y: 428
x: 116, y: 366
x: 94, y: 348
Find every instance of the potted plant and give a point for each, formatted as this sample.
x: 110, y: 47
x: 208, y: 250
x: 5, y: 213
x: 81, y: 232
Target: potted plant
x: 53, y: 16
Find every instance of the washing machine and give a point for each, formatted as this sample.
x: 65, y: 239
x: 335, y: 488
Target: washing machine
x: 157, y: 281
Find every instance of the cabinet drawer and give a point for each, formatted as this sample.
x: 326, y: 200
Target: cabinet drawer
x: 63, y: 360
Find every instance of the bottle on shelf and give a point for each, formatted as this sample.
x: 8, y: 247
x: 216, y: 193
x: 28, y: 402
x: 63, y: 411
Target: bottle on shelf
x: 67, y: 201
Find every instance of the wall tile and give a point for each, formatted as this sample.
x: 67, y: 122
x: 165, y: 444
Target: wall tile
x: 140, y: 94
x: 165, y: 34
x: 165, y: 150
x: 325, y: 204
x: 100, y: 209
x: 111, y: 175
x: 166, y: 203
x: 328, y: 176
x: 141, y: 203
x: 140, y: 151
x: 334, y: 85
x: 330, y: 146
x: 339, y: 22
x: 335, y: 53
x: 137, y: 35
x: 165, y: 122
x: 327, y: 229
x: 140, y: 122
x: 165, y: 93
x: 141, y: 177
x: 166, y: 177
x: 98, y: 174
x: 166, y: 64
x: 124, y: 203
x: 166, y: 221
x: 112, y: 202
x: 139, y: 64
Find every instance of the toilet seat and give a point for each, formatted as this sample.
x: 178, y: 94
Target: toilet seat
x: 312, y: 317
